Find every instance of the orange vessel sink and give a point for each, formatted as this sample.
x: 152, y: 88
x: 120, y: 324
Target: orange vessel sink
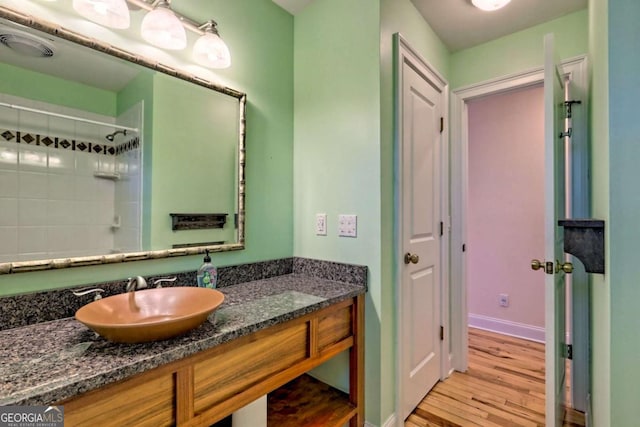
x: 150, y: 314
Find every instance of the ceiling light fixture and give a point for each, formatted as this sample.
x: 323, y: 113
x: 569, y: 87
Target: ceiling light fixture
x: 110, y: 13
x: 162, y: 28
x: 210, y: 50
x: 490, y: 5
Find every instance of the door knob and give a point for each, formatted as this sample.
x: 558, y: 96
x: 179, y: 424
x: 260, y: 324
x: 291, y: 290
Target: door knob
x: 567, y: 267
x: 411, y: 258
x: 546, y: 267
x: 537, y: 265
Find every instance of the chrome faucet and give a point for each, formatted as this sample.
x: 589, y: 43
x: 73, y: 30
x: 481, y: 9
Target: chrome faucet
x: 135, y: 283
x: 85, y: 291
x: 158, y: 282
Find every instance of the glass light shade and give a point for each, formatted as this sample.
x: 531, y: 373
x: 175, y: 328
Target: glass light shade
x: 490, y: 5
x: 110, y: 13
x: 210, y: 51
x: 162, y: 28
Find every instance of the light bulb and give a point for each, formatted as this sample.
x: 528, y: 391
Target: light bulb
x: 110, y: 13
x: 162, y: 28
x: 211, y: 51
x: 490, y: 5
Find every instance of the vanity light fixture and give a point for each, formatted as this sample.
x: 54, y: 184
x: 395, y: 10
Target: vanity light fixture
x: 162, y: 28
x: 210, y: 50
x: 110, y: 13
x: 490, y: 5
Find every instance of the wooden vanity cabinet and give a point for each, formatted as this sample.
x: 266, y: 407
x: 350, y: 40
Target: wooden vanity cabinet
x: 206, y: 387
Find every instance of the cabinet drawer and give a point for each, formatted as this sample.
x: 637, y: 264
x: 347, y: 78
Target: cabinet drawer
x: 334, y: 327
x: 233, y: 371
x: 132, y: 403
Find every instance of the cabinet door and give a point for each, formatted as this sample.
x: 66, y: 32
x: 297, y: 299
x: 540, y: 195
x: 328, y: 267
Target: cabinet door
x: 131, y: 403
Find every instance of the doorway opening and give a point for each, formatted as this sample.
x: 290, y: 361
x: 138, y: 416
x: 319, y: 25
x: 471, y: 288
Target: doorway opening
x: 462, y: 305
x: 505, y: 212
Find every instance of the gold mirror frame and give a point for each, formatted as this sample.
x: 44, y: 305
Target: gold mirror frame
x: 58, y: 263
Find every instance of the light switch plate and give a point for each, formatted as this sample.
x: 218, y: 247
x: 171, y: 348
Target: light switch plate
x: 348, y: 225
x: 321, y: 224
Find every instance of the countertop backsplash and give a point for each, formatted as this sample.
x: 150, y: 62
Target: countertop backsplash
x: 32, y: 308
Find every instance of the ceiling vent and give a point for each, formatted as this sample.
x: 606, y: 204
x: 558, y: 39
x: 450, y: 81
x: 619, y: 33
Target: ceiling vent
x: 26, y: 44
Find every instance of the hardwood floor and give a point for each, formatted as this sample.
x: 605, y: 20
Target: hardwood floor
x: 504, y: 386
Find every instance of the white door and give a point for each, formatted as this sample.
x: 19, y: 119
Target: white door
x: 555, y: 290
x: 420, y: 236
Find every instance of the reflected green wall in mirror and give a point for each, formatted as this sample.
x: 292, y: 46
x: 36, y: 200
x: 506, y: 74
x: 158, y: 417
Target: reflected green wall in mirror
x: 20, y: 82
x: 186, y: 177
x: 180, y: 175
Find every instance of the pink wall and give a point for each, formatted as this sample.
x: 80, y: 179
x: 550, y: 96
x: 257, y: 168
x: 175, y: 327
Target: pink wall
x: 506, y: 206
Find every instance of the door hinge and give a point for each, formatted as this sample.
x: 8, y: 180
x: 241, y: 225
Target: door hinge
x: 568, y: 351
x: 441, y: 124
x: 441, y: 333
x: 441, y: 228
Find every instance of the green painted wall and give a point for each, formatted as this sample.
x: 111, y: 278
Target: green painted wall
x: 397, y: 16
x: 21, y: 82
x: 624, y: 205
x: 519, y: 51
x: 342, y: 166
x: 401, y: 16
x: 600, y: 284
x: 337, y: 154
x: 260, y: 37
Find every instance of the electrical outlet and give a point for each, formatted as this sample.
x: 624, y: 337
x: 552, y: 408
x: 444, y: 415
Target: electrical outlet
x: 321, y: 224
x: 504, y: 300
x: 348, y: 225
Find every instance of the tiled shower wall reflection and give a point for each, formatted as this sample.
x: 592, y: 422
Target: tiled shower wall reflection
x: 65, y: 190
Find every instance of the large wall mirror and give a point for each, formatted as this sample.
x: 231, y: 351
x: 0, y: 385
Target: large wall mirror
x: 106, y: 156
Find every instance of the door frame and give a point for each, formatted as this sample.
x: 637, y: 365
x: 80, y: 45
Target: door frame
x: 576, y: 68
x: 404, y: 53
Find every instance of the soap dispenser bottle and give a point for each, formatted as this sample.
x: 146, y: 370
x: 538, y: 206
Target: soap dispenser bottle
x: 207, y: 273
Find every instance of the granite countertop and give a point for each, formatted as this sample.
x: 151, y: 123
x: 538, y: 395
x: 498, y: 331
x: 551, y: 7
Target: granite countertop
x: 52, y: 361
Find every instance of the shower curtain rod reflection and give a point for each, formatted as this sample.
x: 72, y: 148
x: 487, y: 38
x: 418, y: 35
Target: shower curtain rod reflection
x: 64, y: 116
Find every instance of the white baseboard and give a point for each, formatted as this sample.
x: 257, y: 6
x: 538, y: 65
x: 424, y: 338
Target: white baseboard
x: 391, y: 422
x: 507, y: 327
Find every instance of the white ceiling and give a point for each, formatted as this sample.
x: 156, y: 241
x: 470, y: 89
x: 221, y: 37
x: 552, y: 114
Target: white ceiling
x: 292, y: 6
x: 460, y: 25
